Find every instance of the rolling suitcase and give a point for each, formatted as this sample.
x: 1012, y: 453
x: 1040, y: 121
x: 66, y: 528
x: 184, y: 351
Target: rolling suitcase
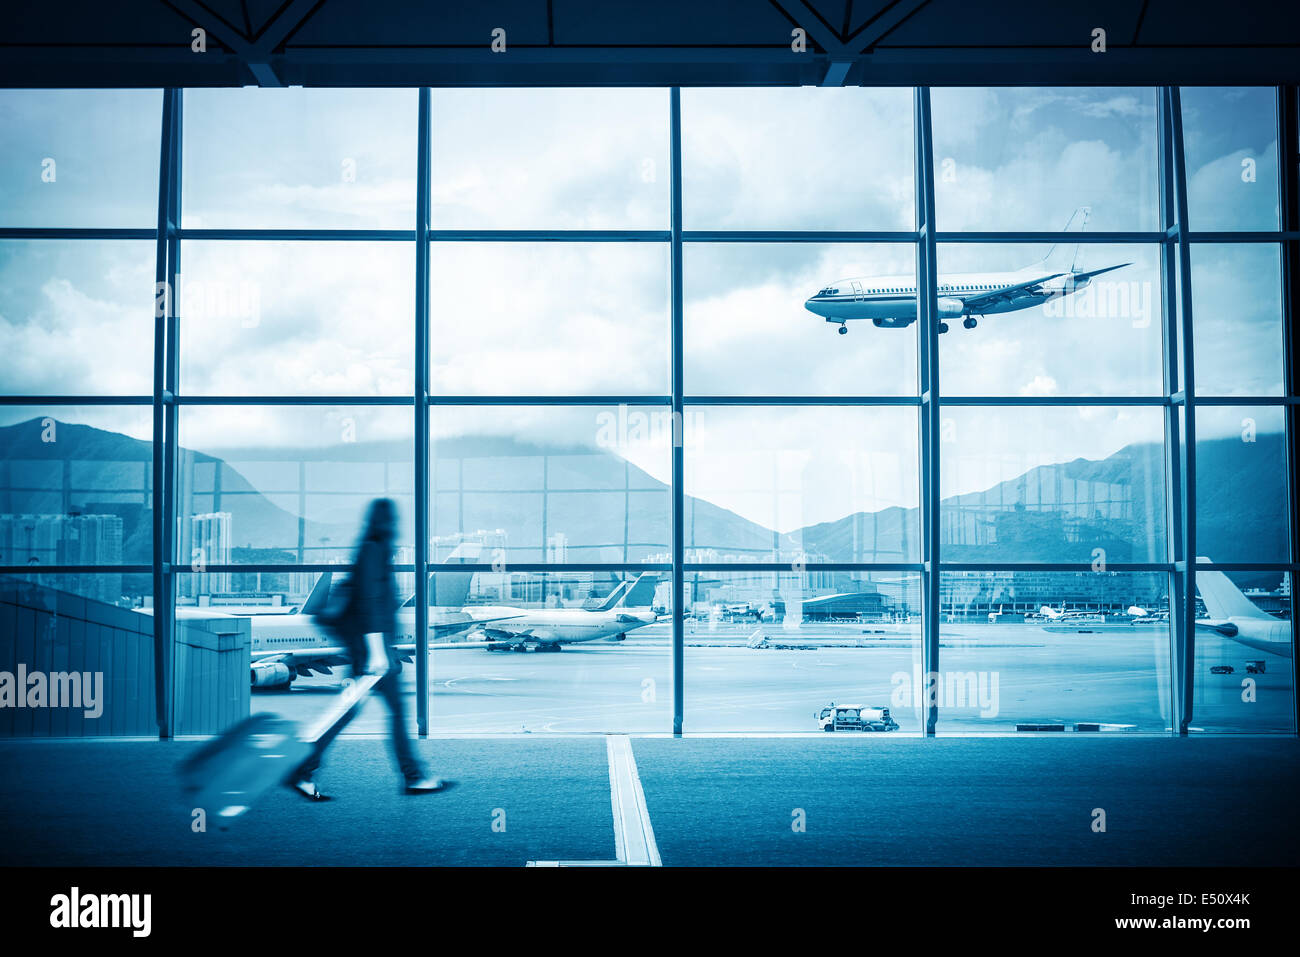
x: 228, y: 774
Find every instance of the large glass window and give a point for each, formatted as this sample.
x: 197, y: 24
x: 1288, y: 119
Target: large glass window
x: 526, y: 366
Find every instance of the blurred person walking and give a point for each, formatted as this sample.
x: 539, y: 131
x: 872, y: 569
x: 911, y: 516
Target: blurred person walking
x: 364, y: 619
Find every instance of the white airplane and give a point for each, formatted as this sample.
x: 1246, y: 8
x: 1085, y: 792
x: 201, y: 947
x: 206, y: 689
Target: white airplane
x: 1235, y: 616
x: 546, y: 629
x: 890, y: 301
x: 285, y: 646
x: 1048, y: 613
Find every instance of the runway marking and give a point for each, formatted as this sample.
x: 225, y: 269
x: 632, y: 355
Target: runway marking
x: 634, y: 837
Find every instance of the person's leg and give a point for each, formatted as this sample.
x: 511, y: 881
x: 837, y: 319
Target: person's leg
x: 390, y: 687
x: 310, y: 766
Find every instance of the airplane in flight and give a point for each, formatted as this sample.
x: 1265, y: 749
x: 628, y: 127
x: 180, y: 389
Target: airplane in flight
x: 1235, y: 616
x: 890, y: 301
x: 547, y: 629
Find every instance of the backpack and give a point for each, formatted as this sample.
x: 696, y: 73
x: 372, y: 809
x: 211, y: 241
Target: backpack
x: 339, y: 617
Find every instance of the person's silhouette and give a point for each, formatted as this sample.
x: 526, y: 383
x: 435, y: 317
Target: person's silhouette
x: 372, y: 609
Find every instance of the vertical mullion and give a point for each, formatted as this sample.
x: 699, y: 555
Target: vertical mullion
x: 422, y: 175
x: 679, y: 438
x: 1173, y: 427
x: 163, y: 414
x: 1288, y: 145
x: 928, y: 354
x: 1187, y: 669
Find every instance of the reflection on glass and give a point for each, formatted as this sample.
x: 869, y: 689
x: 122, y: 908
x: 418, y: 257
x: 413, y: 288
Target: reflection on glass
x: 1241, y: 484
x: 549, y: 318
x: 1230, y: 149
x: 1243, y: 653
x: 748, y: 330
x: 550, y: 159
x: 1237, y: 319
x: 514, y: 651
x: 1083, y: 651
x: 787, y: 484
x: 770, y: 651
x: 277, y: 485
x: 797, y: 159
x: 80, y: 158
x: 1096, y: 334
x: 1052, y: 484
x: 551, y: 485
x: 75, y: 487
x: 296, y: 318
x: 259, y: 158
x: 1027, y: 158
x: 76, y: 317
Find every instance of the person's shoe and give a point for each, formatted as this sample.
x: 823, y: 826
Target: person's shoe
x: 426, y: 785
x: 307, y: 788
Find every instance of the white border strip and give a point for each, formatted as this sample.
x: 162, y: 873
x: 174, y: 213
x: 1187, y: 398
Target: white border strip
x: 634, y: 837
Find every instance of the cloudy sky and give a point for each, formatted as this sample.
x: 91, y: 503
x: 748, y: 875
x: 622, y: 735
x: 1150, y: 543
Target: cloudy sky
x: 592, y: 318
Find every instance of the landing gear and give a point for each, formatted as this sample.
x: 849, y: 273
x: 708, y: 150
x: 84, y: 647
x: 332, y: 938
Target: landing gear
x: 943, y: 327
x: 970, y: 322
x: 843, y: 330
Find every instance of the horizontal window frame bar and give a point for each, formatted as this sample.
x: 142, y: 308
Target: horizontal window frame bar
x: 1054, y: 400
x: 1130, y: 567
x: 438, y: 235
x: 742, y: 567
x: 76, y: 400
x: 547, y: 400
x: 649, y: 400
x: 79, y: 232
x: 296, y: 235
x: 1117, y: 237
x: 884, y: 236
x: 811, y: 400
x: 788, y: 568
x: 291, y: 400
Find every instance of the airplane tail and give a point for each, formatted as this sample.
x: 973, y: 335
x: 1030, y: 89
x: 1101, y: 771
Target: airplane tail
x: 320, y: 595
x: 642, y: 592
x: 450, y: 589
x: 1222, y: 598
x: 613, y: 599
x: 1063, y: 256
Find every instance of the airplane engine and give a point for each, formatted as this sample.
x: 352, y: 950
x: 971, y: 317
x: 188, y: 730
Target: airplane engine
x: 950, y: 308
x: 895, y: 323
x: 270, y: 674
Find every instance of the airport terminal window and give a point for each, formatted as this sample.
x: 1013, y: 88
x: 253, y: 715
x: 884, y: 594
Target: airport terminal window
x: 74, y: 316
x: 298, y: 157
x: 551, y: 277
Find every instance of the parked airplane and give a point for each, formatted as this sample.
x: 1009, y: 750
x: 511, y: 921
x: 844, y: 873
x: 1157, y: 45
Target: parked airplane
x: 546, y: 629
x: 1235, y: 616
x: 890, y: 301
x: 286, y: 646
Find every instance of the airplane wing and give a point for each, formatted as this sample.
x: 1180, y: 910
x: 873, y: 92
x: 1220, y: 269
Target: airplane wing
x: 987, y: 300
x: 978, y: 302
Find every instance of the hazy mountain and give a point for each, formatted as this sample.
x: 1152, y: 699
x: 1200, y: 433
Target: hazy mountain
x: 1059, y: 512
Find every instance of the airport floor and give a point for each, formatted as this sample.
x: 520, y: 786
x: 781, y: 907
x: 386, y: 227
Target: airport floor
x: 707, y: 800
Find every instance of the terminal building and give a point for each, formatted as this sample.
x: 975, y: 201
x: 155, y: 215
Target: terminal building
x: 721, y: 361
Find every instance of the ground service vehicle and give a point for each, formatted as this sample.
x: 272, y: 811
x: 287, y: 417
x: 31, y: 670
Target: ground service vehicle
x: 855, y: 717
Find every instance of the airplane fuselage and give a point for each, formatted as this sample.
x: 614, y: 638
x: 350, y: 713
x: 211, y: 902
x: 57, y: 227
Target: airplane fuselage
x: 891, y: 300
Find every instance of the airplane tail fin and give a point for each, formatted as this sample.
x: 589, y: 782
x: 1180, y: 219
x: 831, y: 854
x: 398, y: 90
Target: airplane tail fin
x: 1222, y: 598
x: 1063, y: 256
x: 642, y: 592
x: 320, y: 594
x: 450, y: 589
x: 613, y: 599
